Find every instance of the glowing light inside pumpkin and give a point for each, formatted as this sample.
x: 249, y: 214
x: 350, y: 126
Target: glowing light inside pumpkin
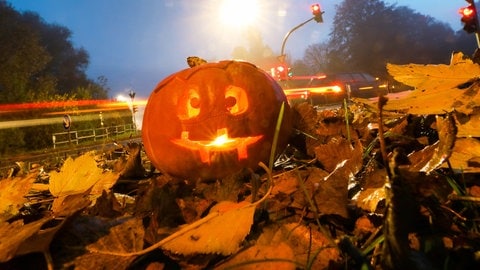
x: 221, y: 139
x: 221, y: 143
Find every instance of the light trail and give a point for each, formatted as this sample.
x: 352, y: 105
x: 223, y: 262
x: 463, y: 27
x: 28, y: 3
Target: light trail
x: 78, y: 115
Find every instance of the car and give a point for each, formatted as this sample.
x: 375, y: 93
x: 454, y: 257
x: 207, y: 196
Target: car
x: 331, y: 88
x: 362, y: 85
x: 314, y: 89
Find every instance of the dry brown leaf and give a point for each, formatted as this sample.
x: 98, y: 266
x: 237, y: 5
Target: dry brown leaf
x: 40, y: 241
x: 220, y: 232
x: 14, y: 235
x: 269, y: 252
x: 332, y: 153
x: 121, y: 235
x: 68, y: 205
x: 439, y: 88
x: 305, y: 241
x: 278, y: 256
x: 336, y: 151
x: 447, y: 132
x: 79, y: 175
x: 331, y: 192
x: 285, y: 183
x: 13, y: 191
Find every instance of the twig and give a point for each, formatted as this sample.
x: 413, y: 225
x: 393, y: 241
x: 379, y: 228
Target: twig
x: 382, y: 100
x: 346, y: 119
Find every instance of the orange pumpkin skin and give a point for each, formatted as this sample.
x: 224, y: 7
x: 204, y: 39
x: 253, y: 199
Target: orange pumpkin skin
x: 230, y: 99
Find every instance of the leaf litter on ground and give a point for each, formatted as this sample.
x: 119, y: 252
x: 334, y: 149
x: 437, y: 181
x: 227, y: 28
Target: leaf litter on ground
x: 326, y: 206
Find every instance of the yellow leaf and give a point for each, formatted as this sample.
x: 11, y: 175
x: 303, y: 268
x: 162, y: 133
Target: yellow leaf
x: 220, y: 232
x: 438, y: 88
x: 465, y: 154
x: 469, y: 127
x: 78, y: 176
x: 13, y: 191
x: 369, y: 198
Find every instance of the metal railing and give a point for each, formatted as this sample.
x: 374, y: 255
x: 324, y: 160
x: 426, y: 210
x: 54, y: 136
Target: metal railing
x: 77, y: 136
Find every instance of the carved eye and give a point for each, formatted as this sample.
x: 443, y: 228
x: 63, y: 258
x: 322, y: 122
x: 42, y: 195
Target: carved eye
x: 189, y: 104
x: 236, y: 100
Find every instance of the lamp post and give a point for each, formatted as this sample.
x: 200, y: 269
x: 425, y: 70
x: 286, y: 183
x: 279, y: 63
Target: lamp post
x: 317, y: 16
x: 134, y: 109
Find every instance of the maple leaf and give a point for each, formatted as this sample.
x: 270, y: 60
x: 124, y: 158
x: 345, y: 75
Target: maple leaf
x: 438, y: 88
x: 80, y: 175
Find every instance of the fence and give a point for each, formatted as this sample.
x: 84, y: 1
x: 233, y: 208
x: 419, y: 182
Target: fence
x: 76, y: 136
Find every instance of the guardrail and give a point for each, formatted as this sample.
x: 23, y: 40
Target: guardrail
x: 75, y: 136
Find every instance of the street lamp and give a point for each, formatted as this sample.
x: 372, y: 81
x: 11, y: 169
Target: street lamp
x: 317, y: 16
x: 134, y: 109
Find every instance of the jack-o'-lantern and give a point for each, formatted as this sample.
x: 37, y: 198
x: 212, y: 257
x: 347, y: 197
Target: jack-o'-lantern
x: 213, y: 120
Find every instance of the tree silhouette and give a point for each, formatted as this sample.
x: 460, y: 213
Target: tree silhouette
x: 315, y: 57
x: 38, y: 60
x: 368, y: 34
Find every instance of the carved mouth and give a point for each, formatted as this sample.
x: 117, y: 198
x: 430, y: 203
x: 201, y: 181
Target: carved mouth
x: 222, y: 143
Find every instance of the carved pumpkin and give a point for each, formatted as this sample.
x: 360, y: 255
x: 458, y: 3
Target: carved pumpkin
x: 213, y: 120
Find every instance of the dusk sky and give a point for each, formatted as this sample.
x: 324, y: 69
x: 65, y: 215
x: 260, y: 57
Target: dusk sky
x: 136, y: 43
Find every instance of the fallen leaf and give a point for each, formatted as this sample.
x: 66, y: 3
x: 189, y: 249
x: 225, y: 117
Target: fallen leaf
x: 334, y: 152
x: 13, y: 192
x: 40, y: 241
x: 68, y: 205
x: 459, y: 70
x: 221, y: 231
x: 79, y: 175
x: 469, y: 127
x: 465, y: 151
x: 278, y: 256
x: 308, y: 242
x: 447, y: 132
x: 331, y: 192
x: 439, y: 88
x: 120, y: 235
x: 369, y: 198
x: 14, y: 235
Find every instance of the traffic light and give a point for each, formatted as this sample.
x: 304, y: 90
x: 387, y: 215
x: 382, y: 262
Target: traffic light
x: 469, y: 18
x: 281, y: 72
x: 317, y: 13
